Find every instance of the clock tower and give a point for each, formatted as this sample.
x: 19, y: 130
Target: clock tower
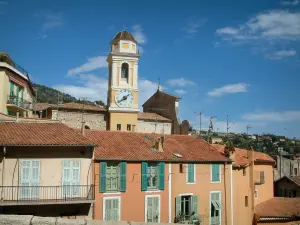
x: 123, y: 83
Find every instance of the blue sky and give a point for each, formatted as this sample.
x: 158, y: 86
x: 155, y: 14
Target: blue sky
x: 235, y: 57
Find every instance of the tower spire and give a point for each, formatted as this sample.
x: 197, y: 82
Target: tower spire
x: 158, y: 85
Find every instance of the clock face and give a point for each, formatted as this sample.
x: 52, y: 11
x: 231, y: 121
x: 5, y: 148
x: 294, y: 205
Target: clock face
x: 124, y: 98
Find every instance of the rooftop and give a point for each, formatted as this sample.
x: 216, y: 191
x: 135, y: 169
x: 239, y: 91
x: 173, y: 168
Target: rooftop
x: 115, y: 145
x: 71, y: 105
x: 152, y: 116
x: 124, y: 35
x: 241, y: 156
x: 278, y: 208
x: 40, y: 134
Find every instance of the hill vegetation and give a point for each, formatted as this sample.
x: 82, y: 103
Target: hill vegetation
x: 51, y: 95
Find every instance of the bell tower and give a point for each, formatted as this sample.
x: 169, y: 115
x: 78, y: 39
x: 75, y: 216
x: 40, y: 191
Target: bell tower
x: 123, y: 83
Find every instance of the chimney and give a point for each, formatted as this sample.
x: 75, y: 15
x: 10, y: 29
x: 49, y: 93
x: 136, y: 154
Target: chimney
x: 82, y: 128
x: 159, y: 144
x: 230, y: 153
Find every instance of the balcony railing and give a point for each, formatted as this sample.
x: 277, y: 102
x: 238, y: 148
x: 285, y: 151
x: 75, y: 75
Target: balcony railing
x: 19, y: 102
x: 46, y: 194
x: 190, y: 219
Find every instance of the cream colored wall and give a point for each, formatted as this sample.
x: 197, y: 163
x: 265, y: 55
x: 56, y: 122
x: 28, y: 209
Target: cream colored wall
x: 122, y: 118
x: 4, y: 91
x: 153, y: 126
x: 202, y: 189
x: 51, y: 164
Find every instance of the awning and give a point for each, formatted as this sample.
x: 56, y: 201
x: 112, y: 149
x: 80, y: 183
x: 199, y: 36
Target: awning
x: 17, y: 82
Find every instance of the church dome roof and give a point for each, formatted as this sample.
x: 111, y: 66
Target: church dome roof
x: 124, y: 35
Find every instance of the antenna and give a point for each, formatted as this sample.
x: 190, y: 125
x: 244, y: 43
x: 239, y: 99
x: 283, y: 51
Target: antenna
x: 248, y: 127
x: 228, y: 123
x: 158, y: 86
x: 200, y: 118
x: 211, y: 127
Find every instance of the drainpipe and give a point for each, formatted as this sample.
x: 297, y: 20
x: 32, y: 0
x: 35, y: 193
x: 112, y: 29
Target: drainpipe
x: 3, y: 174
x: 170, y: 193
x: 231, y: 194
x: 251, y: 167
x: 225, y: 191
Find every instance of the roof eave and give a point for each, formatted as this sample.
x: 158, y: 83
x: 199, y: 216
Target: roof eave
x: 42, y: 145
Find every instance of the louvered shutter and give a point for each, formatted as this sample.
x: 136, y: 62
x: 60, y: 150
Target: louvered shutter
x: 161, y: 181
x: 115, y: 209
x: 178, y: 206
x: 215, y: 172
x: 25, y: 179
x: 75, y: 182
x: 156, y: 209
x: 150, y: 209
x: 102, y: 179
x: 123, y: 176
x: 35, y: 179
x: 194, y: 204
x: 144, y: 180
x: 108, y: 210
x: 66, y: 178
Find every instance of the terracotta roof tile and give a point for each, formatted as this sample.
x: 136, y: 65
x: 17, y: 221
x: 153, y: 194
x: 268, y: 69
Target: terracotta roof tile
x: 32, y: 134
x: 71, y: 105
x: 241, y: 158
x: 152, y: 116
x: 278, y: 207
x: 138, y: 147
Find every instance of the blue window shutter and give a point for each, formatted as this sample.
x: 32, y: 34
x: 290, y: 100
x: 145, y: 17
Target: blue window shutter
x: 191, y: 171
x: 161, y: 181
x: 215, y: 172
x: 144, y: 176
x: 194, y: 204
x: 123, y: 176
x: 102, y: 179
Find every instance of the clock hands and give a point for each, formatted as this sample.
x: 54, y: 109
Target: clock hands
x: 124, y: 98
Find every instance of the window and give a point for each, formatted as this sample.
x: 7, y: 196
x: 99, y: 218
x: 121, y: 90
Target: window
x: 152, y: 207
x: 256, y: 194
x: 118, y: 126
x: 71, y: 178
x: 290, y: 194
x: 30, y: 179
x: 244, y: 171
x: 124, y: 71
x: 259, y: 177
x: 215, y: 208
x: 153, y: 176
x: 133, y: 128
x: 128, y: 127
x: 295, y: 172
x: 186, y: 208
x: 215, y: 173
x: 112, y: 177
x: 111, y: 208
x: 191, y: 174
x: 112, y: 172
x: 246, y: 201
x: 281, y: 192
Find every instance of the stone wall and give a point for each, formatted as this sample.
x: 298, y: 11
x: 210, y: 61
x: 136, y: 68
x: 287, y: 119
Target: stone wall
x: 286, y: 167
x: 154, y: 127
x: 33, y: 220
x: 94, y: 121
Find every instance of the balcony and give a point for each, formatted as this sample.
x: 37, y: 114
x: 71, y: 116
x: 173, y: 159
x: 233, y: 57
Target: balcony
x: 259, y: 177
x: 18, y: 102
x: 45, y: 195
x: 189, y: 219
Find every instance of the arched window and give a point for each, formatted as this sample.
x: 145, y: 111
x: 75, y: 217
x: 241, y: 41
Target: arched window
x: 124, y: 71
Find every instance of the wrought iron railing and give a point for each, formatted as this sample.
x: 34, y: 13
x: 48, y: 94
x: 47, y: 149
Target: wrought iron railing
x: 189, y: 219
x: 19, y: 102
x: 46, y: 193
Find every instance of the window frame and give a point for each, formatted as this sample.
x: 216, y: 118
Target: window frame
x: 146, y: 205
x: 220, y: 210
x: 211, y: 174
x: 103, y: 207
x: 187, y: 173
x: 157, y: 176
x: 119, y: 125
x: 129, y: 126
x: 256, y: 194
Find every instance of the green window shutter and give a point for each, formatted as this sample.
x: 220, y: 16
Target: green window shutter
x: 123, y: 176
x: 215, y: 172
x: 161, y: 181
x: 22, y: 94
x: 12, y: 88
x: 191, y: 172
x: 144, y: 176
x: 18, y: 97
x: 194, y: 204
x: 178, y: 206
x: 102, y: 179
